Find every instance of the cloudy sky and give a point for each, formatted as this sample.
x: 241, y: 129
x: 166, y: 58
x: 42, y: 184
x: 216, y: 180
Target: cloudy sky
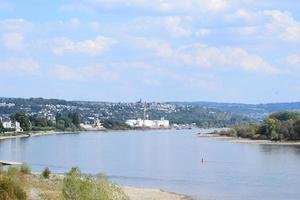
x: 159, y: 50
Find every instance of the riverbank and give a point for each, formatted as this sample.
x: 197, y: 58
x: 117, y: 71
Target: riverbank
x: 44, y: 133
x: 248, y: 141
x: 33, y: 134
x: 38, y: 188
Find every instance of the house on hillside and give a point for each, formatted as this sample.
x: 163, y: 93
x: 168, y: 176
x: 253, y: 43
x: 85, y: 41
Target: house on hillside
x: 10, y: 125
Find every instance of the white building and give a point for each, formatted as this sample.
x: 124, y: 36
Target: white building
x: 8, y: 124
x: 96, y: 126
x: 146, y: 123
x: 154, y: 124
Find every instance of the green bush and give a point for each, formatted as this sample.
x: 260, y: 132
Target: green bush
x: 25, y: 169
x: 46, y: 173
x: 13, y: 171
x: 1, y: 169
x: 246, y: 131
x: 80, y: 187
x: 10, y: 190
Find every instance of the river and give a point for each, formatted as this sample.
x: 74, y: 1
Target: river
x: 169, y: 160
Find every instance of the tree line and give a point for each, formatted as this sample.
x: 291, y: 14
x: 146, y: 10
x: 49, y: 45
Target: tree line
x: 279, y: 126
x: 64, y: 122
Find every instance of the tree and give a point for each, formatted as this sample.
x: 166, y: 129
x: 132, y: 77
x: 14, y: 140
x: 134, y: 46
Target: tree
x: 296, y: 128
x: 270, y: 126
x: 2, y: 129
x: 76, y: 118
x: 23, y: 119
x: 46, y: 173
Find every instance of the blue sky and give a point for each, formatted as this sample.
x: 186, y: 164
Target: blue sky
x: 160, y: 50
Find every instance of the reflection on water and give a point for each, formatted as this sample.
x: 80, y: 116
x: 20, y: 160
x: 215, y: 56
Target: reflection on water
x: 170, y: 160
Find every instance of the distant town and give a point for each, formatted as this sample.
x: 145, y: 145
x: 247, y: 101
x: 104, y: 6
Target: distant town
x: 38, y: 114
x: 62, y: 115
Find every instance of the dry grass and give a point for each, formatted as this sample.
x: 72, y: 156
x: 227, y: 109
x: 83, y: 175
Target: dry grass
x: 38, y: 188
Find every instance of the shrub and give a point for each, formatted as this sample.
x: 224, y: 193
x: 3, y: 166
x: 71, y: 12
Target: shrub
x: 10, y: 190
x: 25, y: 169
x: 246, y: 131
x: 13, y: 171
x: 46, y: 173
x: 230, y: 133
x: 1, y: 169
x: 78, y: 186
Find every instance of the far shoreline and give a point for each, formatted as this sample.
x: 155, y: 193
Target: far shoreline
x: 248, y: 141
x: 45, y: 133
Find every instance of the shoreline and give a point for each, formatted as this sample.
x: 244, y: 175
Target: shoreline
x: 248, y: 141
x: 35, y: 134
x: 44, y: 133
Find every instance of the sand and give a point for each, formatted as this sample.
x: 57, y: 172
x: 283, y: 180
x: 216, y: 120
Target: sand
x: 248, y: 141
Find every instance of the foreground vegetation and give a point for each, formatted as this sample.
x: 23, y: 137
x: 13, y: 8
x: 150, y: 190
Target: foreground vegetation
x: 280, y: 126
x: 20, y: 184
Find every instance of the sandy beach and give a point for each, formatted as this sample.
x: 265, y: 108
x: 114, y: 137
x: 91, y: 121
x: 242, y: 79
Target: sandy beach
x: 248, y: 141
x: 152, y: 194
x: 38, y: 188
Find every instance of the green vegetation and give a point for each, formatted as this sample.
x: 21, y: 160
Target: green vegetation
x: 25, y: 169
x: 115, y: 124
x: 46, y: 173
x: 17, y: 184
x: 280, y: 126
x: 2, y: 129
x: 68, y: 122
x: 10, y: 188
x: 76, y: 186
x: 23, y: 119
x: 41, y: 123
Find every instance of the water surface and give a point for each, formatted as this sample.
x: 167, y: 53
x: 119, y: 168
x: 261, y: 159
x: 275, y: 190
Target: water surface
x: 170, y: 160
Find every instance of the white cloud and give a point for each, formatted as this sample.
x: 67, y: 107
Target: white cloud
x: 74, y: 23
x: 157, y: 5
x: 20, y: 66
x: 246, y: 15
x: 174, y: 26
x: 92, y: 47
x: 94, y: 25
x: 203, y: 32
x: 87, y: 73
x: 15, y: 25
x: 268, y: 24
x: 162, y: 49
x: 13, y: 41
x: 293, y: 59
x: 284, y: 25
x: 208, y: 57
x: 170, y: 25
x: 229, y: 57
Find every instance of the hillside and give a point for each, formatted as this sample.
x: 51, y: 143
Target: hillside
x: 176, y: 113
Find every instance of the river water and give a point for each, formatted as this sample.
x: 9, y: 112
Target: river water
x: 170, y: 160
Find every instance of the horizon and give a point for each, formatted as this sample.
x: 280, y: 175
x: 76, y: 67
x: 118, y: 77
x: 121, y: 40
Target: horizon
x: 91, y: 50
x: 149, y: 101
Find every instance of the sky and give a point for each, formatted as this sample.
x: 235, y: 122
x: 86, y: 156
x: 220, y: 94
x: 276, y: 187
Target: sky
x: 244, y: 51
